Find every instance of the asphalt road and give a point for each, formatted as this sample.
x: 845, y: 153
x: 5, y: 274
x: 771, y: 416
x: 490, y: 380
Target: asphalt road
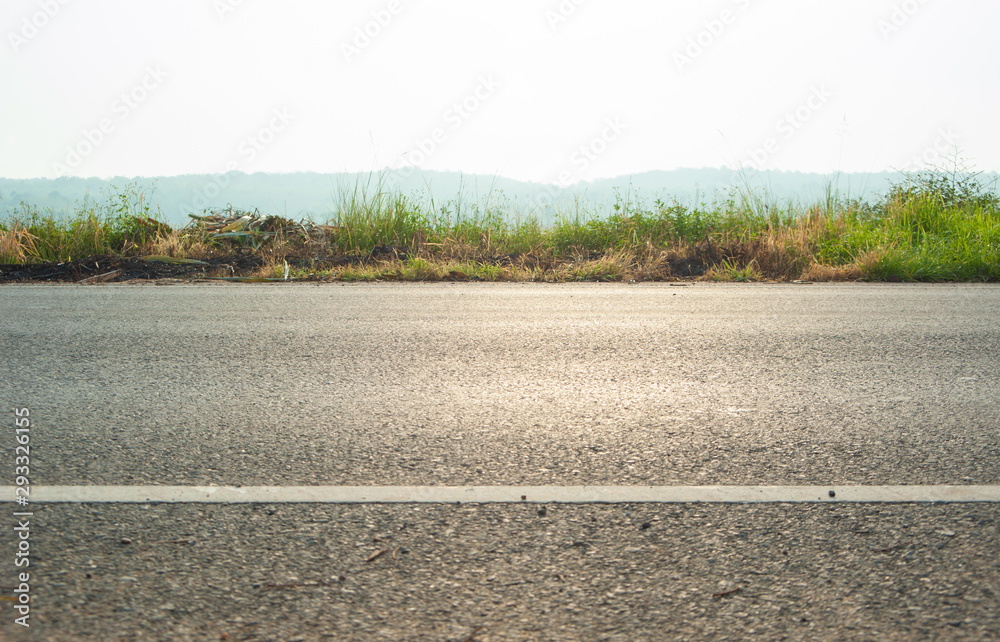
x: 513, y: 384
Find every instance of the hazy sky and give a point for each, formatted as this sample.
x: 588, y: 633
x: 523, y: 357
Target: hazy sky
x: 541, y: 90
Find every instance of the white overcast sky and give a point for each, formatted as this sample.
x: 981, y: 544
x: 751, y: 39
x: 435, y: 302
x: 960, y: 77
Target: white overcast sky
x: 203, y: 86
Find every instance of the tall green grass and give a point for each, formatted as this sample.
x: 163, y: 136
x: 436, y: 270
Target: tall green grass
x: 368, y: 215
x: 927, y: 229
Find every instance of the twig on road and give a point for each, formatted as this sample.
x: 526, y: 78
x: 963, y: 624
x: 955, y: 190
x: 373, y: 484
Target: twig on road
x: 476, y: 631
x: 377, y: 554
x: 725, y: 593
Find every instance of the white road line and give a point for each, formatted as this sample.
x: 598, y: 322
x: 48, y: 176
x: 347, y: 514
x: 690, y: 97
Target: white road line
x: 504, y: 494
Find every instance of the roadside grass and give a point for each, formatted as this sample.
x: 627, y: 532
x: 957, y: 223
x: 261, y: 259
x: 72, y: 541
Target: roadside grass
x: 120, y: 225
x: 932, y: 226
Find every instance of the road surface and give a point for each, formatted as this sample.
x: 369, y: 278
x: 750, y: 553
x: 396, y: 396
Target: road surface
x: 506, y: 385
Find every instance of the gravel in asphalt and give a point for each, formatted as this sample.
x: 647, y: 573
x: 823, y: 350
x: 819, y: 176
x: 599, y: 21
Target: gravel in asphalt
x: 515, y: 572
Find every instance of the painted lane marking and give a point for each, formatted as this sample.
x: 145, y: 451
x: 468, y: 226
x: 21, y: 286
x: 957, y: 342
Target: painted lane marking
x: 506, y: 494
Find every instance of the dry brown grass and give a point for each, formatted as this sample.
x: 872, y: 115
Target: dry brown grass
x: 782, y: 254
x: 817, y: 272
x: 17, y: 245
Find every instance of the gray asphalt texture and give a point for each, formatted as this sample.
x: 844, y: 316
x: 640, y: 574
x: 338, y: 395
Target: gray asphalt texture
x: 453, y: 384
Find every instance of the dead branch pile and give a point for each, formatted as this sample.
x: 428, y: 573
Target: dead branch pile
x: 256, y: 230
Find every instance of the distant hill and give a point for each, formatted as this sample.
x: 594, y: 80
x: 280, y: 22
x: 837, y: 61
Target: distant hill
x: 306, y: 194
